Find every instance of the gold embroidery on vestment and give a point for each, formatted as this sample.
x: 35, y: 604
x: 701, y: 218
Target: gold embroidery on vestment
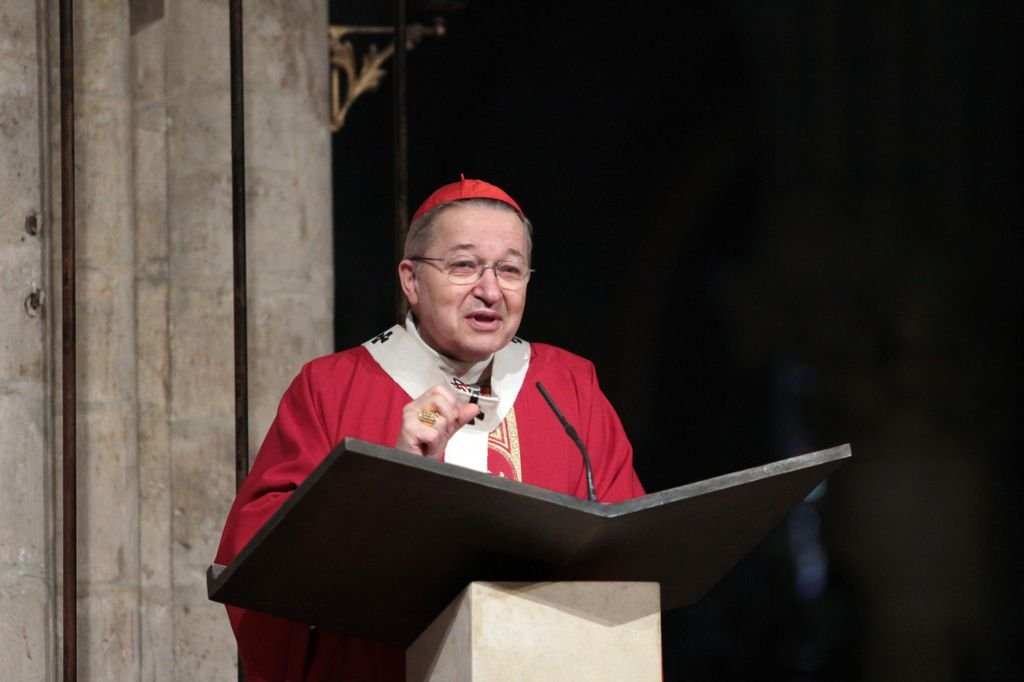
x: 504, y: 440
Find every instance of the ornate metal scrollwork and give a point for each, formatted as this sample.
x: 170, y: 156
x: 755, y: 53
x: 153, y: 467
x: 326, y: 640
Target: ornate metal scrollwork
x: 367, y: 76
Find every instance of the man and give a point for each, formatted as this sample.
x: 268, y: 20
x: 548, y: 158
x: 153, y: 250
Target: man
x: 453, y: 383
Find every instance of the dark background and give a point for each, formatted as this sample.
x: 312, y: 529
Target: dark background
x: 775, y: 227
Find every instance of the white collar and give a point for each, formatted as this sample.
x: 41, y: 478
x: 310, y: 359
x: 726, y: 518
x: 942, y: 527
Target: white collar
x: 467, y: 372
x: 415, y: 367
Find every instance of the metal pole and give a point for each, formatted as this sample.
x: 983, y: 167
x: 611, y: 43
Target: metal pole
x: 238, y: 253
x: 401, y: 169
x: 69, y: 478
x: 238, y: 231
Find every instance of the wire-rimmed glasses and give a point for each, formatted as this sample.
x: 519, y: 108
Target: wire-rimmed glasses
x: 511, y: 275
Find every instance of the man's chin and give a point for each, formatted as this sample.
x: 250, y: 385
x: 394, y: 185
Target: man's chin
x: 476, y: 354
x: 481, y: 349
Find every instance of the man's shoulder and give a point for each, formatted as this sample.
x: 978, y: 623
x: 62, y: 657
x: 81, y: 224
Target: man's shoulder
x: 548, y: 356
x: 342, y: 361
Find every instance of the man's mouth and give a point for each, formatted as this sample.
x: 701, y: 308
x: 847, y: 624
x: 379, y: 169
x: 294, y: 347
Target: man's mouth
x: 484, y: 320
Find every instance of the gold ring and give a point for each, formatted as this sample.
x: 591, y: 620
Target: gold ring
x: 427, y: 417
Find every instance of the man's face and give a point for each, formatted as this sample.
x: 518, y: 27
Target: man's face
x: 468, y: 322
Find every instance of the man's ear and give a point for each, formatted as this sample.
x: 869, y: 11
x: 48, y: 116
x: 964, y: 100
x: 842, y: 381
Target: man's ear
x: 407, y: 278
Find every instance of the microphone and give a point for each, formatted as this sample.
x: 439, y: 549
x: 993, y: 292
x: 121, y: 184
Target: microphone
x: 591, y: 495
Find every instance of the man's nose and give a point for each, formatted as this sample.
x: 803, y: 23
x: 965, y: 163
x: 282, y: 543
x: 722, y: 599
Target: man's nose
x: 487, y: 286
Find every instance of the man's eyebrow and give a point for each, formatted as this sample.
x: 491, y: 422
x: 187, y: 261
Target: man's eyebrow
x: 469, y: 246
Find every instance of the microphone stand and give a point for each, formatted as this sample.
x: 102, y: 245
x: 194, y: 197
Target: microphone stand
x: 591, y: 495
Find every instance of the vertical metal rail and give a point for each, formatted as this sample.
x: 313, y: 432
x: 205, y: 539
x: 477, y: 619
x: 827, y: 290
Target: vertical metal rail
x: 238, y: 253
x: 401, y: 169
x: 69, y: 423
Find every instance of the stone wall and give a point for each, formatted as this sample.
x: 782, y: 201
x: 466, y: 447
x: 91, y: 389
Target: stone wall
x: 27, y: 643
x: 155, y: 365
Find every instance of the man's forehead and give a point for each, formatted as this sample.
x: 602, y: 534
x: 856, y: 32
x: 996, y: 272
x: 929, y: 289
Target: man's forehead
x: 492, y: 232
x: 478, y: 220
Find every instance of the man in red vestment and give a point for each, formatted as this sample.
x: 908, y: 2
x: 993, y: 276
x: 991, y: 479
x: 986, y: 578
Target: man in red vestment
x: 454, y: 383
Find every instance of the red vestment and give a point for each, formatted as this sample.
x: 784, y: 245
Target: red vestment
x: 348, y: 394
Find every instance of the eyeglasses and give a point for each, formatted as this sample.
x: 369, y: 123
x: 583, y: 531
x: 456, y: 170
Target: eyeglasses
x: 511, y: 275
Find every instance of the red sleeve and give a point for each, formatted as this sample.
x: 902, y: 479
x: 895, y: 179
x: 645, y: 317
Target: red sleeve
x: 341, y: 395
x: 273, y: 648
x: 296, y: 442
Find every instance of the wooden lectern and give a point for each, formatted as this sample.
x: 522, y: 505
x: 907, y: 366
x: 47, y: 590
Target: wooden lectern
x: 483, y: 545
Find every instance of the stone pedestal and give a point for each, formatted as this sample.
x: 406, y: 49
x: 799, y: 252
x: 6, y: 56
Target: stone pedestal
x: 543, y: 631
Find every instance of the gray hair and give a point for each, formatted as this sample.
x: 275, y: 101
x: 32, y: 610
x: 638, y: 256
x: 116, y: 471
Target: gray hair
x: 422, y: 231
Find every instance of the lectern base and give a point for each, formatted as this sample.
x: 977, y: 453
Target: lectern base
x: 543, y: 631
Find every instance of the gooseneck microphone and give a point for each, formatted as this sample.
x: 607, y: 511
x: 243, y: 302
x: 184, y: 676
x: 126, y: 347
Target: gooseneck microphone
x: 591, y: 495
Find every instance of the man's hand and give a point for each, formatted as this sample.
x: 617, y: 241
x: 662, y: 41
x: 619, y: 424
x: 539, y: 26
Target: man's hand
x: 430, y: 420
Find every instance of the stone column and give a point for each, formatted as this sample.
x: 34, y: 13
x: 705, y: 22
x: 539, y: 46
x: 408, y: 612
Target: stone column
x: 289, y: 266
x: 149, y: 150
x: 108, y: 466
x: 200, y: 407
x: 155, y: 404
x: 291, y: 275
x: 26, y: 476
